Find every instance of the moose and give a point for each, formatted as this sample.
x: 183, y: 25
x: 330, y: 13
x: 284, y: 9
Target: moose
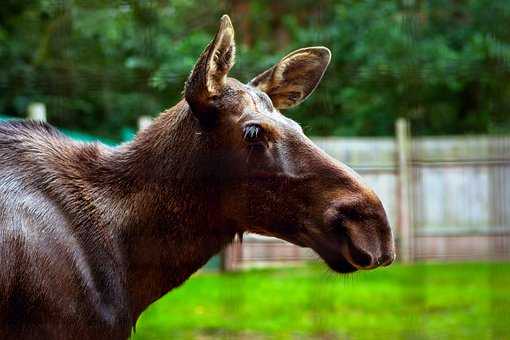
x: 90, y: 235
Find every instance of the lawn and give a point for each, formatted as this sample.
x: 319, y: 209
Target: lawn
x: 422, y: 301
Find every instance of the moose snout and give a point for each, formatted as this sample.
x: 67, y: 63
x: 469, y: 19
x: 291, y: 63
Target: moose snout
x: 362, y: 234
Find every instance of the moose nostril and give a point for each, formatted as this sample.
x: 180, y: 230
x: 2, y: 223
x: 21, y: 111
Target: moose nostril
x: 361, y: 258
x: 385, y: 260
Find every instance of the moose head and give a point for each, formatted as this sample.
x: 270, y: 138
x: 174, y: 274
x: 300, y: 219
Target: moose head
x: 274, y: 180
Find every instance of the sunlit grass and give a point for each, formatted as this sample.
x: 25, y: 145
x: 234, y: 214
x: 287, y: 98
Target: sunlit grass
x: 423, y: 301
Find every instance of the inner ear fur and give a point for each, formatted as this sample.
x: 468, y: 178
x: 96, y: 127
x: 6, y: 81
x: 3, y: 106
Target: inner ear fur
x: 208, y: 77
x: 295, y: 77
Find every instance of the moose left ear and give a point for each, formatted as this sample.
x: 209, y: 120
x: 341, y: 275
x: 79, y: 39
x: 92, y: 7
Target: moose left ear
x: 294, y: 78
x: 210, y: 72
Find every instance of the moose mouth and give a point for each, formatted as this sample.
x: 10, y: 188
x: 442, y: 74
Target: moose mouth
x: 336, y: 252
x: 338, y: 263
x: 341, y: 253
x: 337, y: 249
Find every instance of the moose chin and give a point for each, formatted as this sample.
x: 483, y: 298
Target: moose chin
x: 91, y: 235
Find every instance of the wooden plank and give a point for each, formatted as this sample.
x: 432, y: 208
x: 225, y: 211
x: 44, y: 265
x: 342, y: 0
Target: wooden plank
x: 37, y: 111
x: 404, y: 191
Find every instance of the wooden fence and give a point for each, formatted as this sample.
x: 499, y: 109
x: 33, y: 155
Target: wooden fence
x: 447, y: 198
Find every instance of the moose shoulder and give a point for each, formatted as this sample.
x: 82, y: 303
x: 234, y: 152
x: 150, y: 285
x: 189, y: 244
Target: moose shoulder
x: 91, y: 235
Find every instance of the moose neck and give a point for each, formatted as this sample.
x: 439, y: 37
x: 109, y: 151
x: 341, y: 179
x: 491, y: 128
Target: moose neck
x: 171, y: 223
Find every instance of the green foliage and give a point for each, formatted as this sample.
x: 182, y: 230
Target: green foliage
x: 444, y: 64
x: 422, y: 301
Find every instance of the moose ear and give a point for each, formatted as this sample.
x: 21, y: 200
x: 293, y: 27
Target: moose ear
x: 294, y: 78
x: 210, y: 72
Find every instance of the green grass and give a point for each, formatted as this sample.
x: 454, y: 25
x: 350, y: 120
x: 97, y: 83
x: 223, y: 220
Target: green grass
x: 422, y: 301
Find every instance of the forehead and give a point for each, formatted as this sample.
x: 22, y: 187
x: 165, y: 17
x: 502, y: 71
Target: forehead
x: 254, y: 104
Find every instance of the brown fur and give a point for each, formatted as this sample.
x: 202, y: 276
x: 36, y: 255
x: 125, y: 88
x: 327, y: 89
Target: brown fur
x: 91, y: 235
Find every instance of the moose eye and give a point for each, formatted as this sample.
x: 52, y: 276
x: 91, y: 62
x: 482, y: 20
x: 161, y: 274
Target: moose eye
x: 252, y: 133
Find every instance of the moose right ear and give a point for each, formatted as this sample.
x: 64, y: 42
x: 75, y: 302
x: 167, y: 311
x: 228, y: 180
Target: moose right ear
x: 209, y: 75
x: 295, y: 77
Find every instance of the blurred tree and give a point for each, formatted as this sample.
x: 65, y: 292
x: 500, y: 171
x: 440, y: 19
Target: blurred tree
x: 444, y: 64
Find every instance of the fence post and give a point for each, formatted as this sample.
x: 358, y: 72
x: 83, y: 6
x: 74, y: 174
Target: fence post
x: 406, y: 244
x: 37, y: 111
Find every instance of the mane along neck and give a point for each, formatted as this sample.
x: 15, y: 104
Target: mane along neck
x: 165, y: 150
